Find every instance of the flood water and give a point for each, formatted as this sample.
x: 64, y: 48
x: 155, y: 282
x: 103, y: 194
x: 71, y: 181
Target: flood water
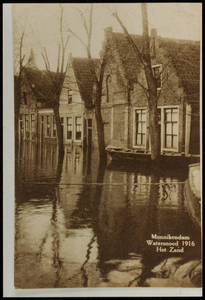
x: 82, y: 224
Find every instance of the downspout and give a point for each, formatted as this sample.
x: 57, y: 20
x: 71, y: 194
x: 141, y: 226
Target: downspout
x: 128, y: 115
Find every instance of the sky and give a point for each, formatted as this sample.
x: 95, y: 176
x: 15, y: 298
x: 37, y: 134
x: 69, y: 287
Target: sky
x: 41, y: 24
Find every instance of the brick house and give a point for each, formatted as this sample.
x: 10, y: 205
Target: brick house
x: 76, y: 102
x: 124, y: 101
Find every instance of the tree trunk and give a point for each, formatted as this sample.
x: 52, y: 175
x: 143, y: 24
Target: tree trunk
x: 154, y: 129
x: 152, y: 88
x: 59, y: 129
x: 100, y: 126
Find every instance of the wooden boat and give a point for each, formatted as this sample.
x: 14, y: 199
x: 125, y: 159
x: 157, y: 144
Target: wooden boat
x: 192, y: 193
x: 118, y: 153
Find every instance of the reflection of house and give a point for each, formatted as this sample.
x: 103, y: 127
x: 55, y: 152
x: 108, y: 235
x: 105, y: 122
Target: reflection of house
x: 176, y: 65
x: 76, y: 101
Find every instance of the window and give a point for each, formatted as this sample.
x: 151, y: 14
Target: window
x: 69, y: 128
x: 33, y: 125
x: 171, y: 128
x: 157, y: 72
x: 54, y: 126
x: 140, y: 118
x: 27, y: 126
x: 48, y: 126
x: 78, y: 122
x: 25, y: 98
x: 70, y: 95
x: 90, y: 122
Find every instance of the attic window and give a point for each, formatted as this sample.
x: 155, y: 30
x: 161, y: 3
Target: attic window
x: 157, y: 72
x: 70, y: 95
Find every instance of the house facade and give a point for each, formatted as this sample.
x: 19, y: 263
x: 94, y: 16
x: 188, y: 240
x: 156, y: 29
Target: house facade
x: 36, y: 118
x: 76, y: 103
x: 176, y: 66
x: 125, y: 113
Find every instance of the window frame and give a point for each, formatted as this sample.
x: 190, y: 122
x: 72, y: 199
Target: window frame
x: 67, y: 124
x: 32, y: 124
x: 54, y: 126
x: 70, y: 96
x: 27, y: 125
x: 160, y: 70
x: 48, y: 117
x: 164, y: 129
x: 78, y: 140
x: 135, y: 128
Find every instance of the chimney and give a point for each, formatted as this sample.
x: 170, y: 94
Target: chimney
x: 153, y: 43
x: 108, y: 32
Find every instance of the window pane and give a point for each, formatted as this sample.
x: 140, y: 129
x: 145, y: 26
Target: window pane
x: 168, y: 128
x: 143, y: 127
x: 175, y: 142
x: 78, y: 135
x: 143, y: 140
x: 69, y: 135
x: 90, y: 122
x: 143, y: 115
x: 139, y: 128
x: 78, y: 120
x: 175, y: 128
x: 168, y: 115
x: 175, y: 115
x: 138, y: 139
x: 168, y: 141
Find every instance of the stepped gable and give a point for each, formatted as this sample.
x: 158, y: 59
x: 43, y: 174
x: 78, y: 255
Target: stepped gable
x: 130, y: 59
x: 184, y: 54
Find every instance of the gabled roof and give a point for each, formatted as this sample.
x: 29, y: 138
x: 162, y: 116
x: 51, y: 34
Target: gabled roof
x: 130, y: 59
x: 42, y: 83
x: 185, y: 56
x: 85, y: 78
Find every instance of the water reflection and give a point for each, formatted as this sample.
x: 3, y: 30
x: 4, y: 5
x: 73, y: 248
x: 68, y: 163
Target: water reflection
x: 80, y: 223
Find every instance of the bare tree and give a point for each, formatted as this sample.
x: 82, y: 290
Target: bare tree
x: 18, y: 87
x: 98, y: 77
x: 57, y: 79
x: 151, y: 89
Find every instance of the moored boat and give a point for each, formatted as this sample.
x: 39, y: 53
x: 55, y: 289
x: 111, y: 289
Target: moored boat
x: 118, y: 153
x: 192, y: 193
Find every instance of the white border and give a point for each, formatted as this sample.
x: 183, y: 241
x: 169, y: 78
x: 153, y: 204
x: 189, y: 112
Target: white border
x: 8, y: 201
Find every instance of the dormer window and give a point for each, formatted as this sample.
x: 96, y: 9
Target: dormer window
x: 157, y: 72
x: 70, y: 96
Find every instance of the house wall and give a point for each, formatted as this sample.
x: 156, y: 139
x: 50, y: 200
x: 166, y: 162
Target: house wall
x: 46, y: 126
x: 73, y: 110
x: 118, y: 123
x: 27, y: 126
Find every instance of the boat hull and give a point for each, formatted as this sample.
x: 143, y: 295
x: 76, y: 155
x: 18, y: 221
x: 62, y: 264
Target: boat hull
x: 128, y: 156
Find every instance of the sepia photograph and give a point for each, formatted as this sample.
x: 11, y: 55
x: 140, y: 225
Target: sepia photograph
x: 107, y: 145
